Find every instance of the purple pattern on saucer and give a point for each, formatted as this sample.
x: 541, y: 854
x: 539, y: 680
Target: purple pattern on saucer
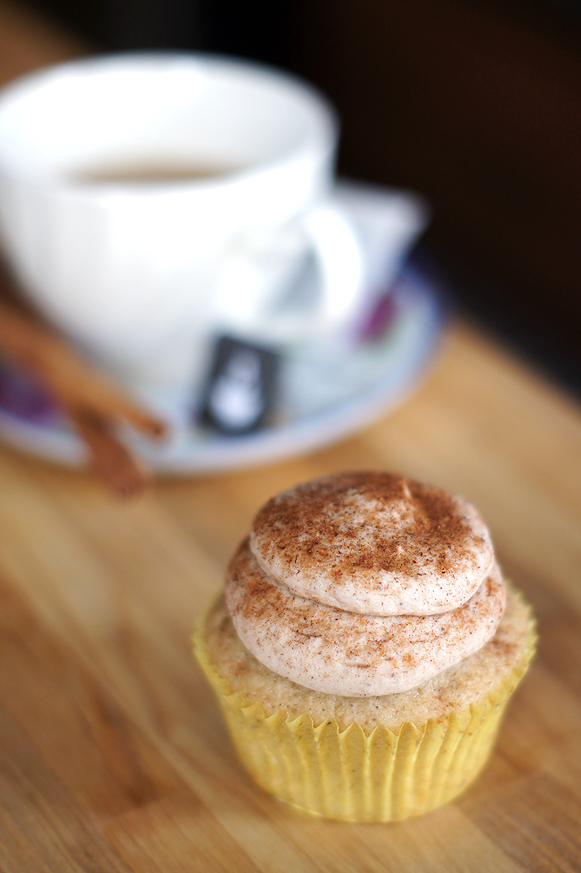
x: 386, y: 307
x: 23, y: 397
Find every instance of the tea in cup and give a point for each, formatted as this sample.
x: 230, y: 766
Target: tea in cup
x: 151, y: 203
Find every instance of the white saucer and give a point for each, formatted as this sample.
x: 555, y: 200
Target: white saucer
x: 327, y: 391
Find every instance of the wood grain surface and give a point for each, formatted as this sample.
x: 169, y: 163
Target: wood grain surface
x: 113, y: 754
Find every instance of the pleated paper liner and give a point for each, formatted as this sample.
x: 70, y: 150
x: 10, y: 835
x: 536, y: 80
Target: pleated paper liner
x: 354, y: 776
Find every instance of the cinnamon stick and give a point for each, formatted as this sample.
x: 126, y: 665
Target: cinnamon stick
x: 112, y: 460
x: 94, y: 403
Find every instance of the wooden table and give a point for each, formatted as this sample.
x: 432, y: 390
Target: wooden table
x: 113, y: 755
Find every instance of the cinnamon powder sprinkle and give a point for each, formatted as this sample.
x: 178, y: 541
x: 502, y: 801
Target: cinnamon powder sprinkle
x: 396, y: 537
x: 339, y: 652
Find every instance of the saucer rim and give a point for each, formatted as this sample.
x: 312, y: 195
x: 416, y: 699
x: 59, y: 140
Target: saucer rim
x: 209, y: 454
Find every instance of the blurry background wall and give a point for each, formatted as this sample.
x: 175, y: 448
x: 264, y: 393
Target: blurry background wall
x: 475, y: 103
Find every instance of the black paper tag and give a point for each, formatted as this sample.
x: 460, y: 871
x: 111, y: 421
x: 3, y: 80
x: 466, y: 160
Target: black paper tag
x: 240, y: 391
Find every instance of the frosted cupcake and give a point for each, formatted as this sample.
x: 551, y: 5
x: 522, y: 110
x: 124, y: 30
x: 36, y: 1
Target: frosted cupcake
x: 365, y: 646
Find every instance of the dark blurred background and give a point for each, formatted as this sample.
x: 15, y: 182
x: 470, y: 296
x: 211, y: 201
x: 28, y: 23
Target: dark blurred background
x: 474, y: 103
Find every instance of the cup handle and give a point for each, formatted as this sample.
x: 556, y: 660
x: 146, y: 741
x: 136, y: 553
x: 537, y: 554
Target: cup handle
x: 328, y: 235
x: 340, y: 264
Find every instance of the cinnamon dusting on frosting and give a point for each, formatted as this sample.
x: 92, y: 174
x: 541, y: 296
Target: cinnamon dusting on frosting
x: 341, y: 652
x: 365, y: 584
x: 374, y: 542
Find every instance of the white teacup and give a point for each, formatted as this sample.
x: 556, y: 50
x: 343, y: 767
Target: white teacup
x: 150, y: 202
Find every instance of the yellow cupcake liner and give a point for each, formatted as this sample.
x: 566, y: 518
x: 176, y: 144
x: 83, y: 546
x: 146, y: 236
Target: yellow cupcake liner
x: 350, y: 775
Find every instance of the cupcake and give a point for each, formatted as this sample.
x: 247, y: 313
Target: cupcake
x: 365, y: 646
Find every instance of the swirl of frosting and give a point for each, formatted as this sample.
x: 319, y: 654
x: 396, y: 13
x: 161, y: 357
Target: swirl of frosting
x: 374, y: 543
x: 349, y: 653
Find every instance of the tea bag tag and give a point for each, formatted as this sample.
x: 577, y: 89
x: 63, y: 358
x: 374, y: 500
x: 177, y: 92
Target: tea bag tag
x: 239, y: 393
